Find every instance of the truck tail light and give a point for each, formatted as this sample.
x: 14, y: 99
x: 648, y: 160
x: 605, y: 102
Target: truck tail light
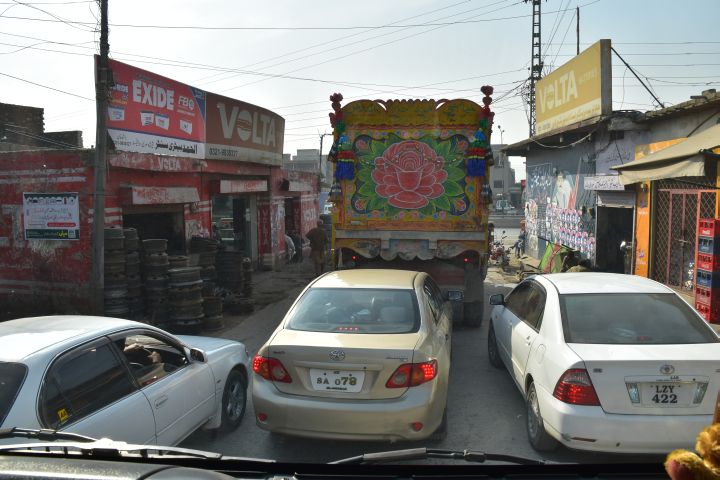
x: 412, y: 374
x: 575, y: 387
x: 270, y: 369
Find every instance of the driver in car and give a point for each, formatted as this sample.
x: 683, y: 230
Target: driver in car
x: 136, y: 352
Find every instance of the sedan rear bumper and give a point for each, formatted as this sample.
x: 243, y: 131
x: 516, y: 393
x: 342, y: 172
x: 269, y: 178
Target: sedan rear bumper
x: 341, y: 419
x: 590, y: 428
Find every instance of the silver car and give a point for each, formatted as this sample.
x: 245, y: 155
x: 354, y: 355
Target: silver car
x: 361, y: 355
x: 108, y: 377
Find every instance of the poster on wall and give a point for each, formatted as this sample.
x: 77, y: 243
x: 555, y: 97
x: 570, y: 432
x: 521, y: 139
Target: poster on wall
x: 149, y: 113
x: 559, y: 209
x: 51, y: 216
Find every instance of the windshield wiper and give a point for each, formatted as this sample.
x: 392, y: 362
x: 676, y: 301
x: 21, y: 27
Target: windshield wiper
x: 105, y: 447
x: 45, y: 434
x: 424, y: 453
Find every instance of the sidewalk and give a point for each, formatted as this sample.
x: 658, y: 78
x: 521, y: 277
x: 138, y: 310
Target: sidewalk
x: 271, y: 287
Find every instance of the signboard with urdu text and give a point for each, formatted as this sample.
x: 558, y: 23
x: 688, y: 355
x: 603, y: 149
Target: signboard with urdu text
x: 579, y: 90
x: 51, y: 216
x: 149, y: 113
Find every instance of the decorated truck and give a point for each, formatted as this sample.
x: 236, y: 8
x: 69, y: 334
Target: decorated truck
x: 411, y: 191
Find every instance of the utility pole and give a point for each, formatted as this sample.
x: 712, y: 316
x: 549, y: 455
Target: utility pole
x: 536, y: 61
x: 98, y: 235
x: 577, y: 28
x: 322, y: 136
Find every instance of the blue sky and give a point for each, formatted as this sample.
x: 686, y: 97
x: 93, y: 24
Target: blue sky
x: 427, y: 49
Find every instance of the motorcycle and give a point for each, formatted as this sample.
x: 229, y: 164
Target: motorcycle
x: 499, y: 254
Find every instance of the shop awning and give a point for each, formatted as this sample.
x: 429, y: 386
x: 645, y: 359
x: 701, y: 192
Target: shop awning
x: 684, y: 159
x: 163, y: 195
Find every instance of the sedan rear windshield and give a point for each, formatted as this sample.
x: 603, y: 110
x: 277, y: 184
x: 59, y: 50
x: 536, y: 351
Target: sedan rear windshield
x: 355, y: 310
x: 632, y: 319
x: 12, y: 376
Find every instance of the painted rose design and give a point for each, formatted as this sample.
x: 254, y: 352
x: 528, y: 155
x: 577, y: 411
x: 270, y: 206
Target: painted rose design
x: 409, y: 174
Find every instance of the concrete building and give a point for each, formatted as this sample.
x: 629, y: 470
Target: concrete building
x: 502, y: 176
x: 23, y: 127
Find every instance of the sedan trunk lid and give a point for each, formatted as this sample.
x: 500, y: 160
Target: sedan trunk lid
x: 653, y: 379
x: 341, y: 365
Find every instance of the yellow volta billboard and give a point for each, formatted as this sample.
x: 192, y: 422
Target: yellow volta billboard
x: 579, y: 90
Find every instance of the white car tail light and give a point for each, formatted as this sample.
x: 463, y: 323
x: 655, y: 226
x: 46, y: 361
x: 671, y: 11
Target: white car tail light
x: 575, y: 387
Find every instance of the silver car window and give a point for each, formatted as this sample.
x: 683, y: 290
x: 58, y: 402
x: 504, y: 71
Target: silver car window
x: 82, y: 382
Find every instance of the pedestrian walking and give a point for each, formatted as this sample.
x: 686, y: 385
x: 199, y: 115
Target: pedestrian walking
x: 318, y: 243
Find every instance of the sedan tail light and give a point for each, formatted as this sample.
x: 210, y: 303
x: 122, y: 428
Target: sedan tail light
x: 575, y: 387
x: 412, y: 374
x: 270, y: 369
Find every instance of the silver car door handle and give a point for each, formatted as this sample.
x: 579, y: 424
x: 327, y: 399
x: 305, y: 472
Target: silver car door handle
x: 160, y: 401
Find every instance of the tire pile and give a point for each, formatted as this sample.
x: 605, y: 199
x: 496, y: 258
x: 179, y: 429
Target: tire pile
x: 132, y: 273
x: 155, y: 267
x: 186, y: 301
x: 206, y: 252
x: 116, y: 286
x: 235, y: 281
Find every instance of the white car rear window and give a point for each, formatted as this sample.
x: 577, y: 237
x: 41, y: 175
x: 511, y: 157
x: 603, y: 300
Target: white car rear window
x: 632, y: 319
x: 355, y: 310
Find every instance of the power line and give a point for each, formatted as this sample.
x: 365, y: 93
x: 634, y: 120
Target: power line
x: 356, y: 27
x: 58, y: 18
x: 345, y: 37
x: 49, y: 88
x: 39, y: 138
x: 48, y: 3
x: 184, y: 64
x: 342, y: 57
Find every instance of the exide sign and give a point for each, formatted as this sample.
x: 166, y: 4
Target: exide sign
x: 241, y: 131
x: 149, y: 113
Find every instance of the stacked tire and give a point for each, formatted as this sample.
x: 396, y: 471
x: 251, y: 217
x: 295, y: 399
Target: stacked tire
x: 155, y: 267
x: 229, y: 271
x: 185, y: 300
x: 116, y: 287
x: 132, y: 274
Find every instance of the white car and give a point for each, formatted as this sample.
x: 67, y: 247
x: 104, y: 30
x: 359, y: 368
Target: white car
x: 606, y: 362
x: 108, y: 377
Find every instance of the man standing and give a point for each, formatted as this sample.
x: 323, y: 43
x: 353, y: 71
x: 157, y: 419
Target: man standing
x: 318, y: 242
x: 289, y: 248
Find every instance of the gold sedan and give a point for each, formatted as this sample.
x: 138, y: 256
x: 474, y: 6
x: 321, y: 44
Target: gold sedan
x: 360, y: 355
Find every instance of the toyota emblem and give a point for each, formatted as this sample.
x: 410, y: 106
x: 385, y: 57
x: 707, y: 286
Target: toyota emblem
x: 667, y: 369
x: 337, y: 355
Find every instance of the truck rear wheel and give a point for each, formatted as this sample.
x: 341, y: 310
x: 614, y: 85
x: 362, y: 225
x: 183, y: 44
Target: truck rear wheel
x: 472, y: 313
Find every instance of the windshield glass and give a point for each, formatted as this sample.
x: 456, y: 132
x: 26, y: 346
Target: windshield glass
x: 632, y: 319
x: 355, y: 311
x: 12, y: 376
x: 252, y: 178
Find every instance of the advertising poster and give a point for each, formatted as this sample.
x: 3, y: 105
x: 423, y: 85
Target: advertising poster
x: 51, y: 216
x: 149, y: 113
x: 241, y: 131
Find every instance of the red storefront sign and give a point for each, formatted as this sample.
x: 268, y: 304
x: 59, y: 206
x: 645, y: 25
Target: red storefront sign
x: 243, y: 186
x: 149, y: 113
x: 240, y: 131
